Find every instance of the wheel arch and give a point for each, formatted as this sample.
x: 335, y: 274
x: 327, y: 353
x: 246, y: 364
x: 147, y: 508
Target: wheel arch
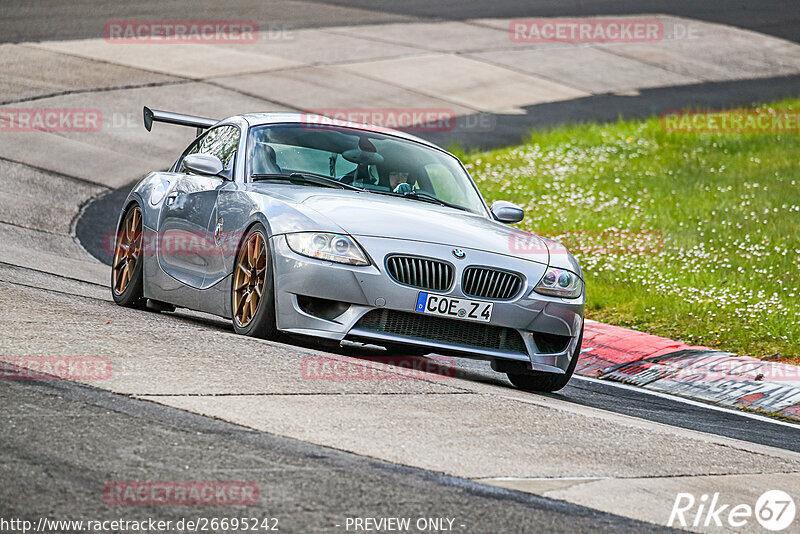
x: 129, y: 203
x: 261, y: 219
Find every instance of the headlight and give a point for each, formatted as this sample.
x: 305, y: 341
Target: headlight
x: 329, y: 247
x: 560, y: 283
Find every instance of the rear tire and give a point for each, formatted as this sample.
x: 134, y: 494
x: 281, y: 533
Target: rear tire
x: 253, y: 287
x: 126, y: 268
x: 547, y: 382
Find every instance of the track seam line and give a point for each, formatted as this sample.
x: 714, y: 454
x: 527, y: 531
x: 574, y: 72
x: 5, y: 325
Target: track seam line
x: 30, y: 45
x: 178, y: 79
x: 649, y: 477
x: 56, y: 173
x: 53, y: 291
x: 306, y: 393
x: 549, y: 79
x: 340, y: 31
x: 465, y: 54
x: 90, y: 90
x: 48, y: 273
x: 698, y: 79
x: 32, y: 229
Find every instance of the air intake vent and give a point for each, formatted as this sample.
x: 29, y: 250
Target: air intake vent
x: 421, y: 327
x: 486, y: 283
x: 421, y: 273
x: 550, y: 343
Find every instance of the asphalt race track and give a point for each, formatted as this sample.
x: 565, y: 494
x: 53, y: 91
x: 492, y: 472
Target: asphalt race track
x: 52, y: 19
x: 188, y: 400
x: 309, y: 487
x: 606, y: 396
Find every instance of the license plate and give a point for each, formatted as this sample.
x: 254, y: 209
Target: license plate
x: 470, y: 310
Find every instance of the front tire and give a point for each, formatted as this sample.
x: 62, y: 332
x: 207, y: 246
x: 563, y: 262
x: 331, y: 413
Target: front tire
x: 126, y: 267
x: 253, y: 287
x: 546, y: 382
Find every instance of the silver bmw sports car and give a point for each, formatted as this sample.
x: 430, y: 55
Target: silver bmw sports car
x: 292, y: 224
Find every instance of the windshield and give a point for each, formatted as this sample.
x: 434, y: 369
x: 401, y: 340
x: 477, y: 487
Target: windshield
x: 363, y: 159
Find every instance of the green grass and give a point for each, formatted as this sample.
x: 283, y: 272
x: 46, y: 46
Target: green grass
x: 727, y: 205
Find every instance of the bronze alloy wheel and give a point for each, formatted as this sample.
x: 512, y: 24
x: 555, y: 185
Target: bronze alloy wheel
x: 127, y: 251
x: 250, y: 279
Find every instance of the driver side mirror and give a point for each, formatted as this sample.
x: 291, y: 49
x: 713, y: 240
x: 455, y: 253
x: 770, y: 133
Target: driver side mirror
x: 507, y: 212
x: 204, y: 164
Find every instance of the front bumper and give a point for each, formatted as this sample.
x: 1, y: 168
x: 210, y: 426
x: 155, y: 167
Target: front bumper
x: 370, y: 288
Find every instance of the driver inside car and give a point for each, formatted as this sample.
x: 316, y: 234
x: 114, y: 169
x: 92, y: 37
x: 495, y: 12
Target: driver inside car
x: 398, y: 183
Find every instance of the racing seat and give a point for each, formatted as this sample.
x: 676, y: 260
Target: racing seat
x: 359, y: 175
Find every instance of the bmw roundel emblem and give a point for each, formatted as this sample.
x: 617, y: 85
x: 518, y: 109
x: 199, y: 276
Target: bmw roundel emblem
x: 458, y: 253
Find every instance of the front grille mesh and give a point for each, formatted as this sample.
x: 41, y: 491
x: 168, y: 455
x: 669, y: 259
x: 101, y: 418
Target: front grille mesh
x: 421, y: 273
x: 437, y: 329
x: 486, y: 283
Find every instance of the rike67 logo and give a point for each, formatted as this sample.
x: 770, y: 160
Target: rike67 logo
x: 774, y: 510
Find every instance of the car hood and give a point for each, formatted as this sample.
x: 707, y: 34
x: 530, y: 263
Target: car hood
x: 373, y: 215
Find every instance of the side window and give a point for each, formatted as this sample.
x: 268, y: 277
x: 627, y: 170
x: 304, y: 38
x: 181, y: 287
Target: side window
x: 221, y: 142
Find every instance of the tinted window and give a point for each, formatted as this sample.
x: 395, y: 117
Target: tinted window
x: 365, y: 159
x: 221, y: 142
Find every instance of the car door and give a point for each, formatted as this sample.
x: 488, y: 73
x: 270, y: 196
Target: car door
x: 187, y: 250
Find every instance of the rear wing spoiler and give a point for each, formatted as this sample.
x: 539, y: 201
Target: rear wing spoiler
x: 154, y: 115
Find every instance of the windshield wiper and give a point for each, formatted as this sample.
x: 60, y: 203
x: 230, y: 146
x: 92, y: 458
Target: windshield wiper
x: 423, y: 196
x: 303, y: 178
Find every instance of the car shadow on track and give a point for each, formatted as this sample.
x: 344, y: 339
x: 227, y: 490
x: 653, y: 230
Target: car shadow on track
x: 431, y: 366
